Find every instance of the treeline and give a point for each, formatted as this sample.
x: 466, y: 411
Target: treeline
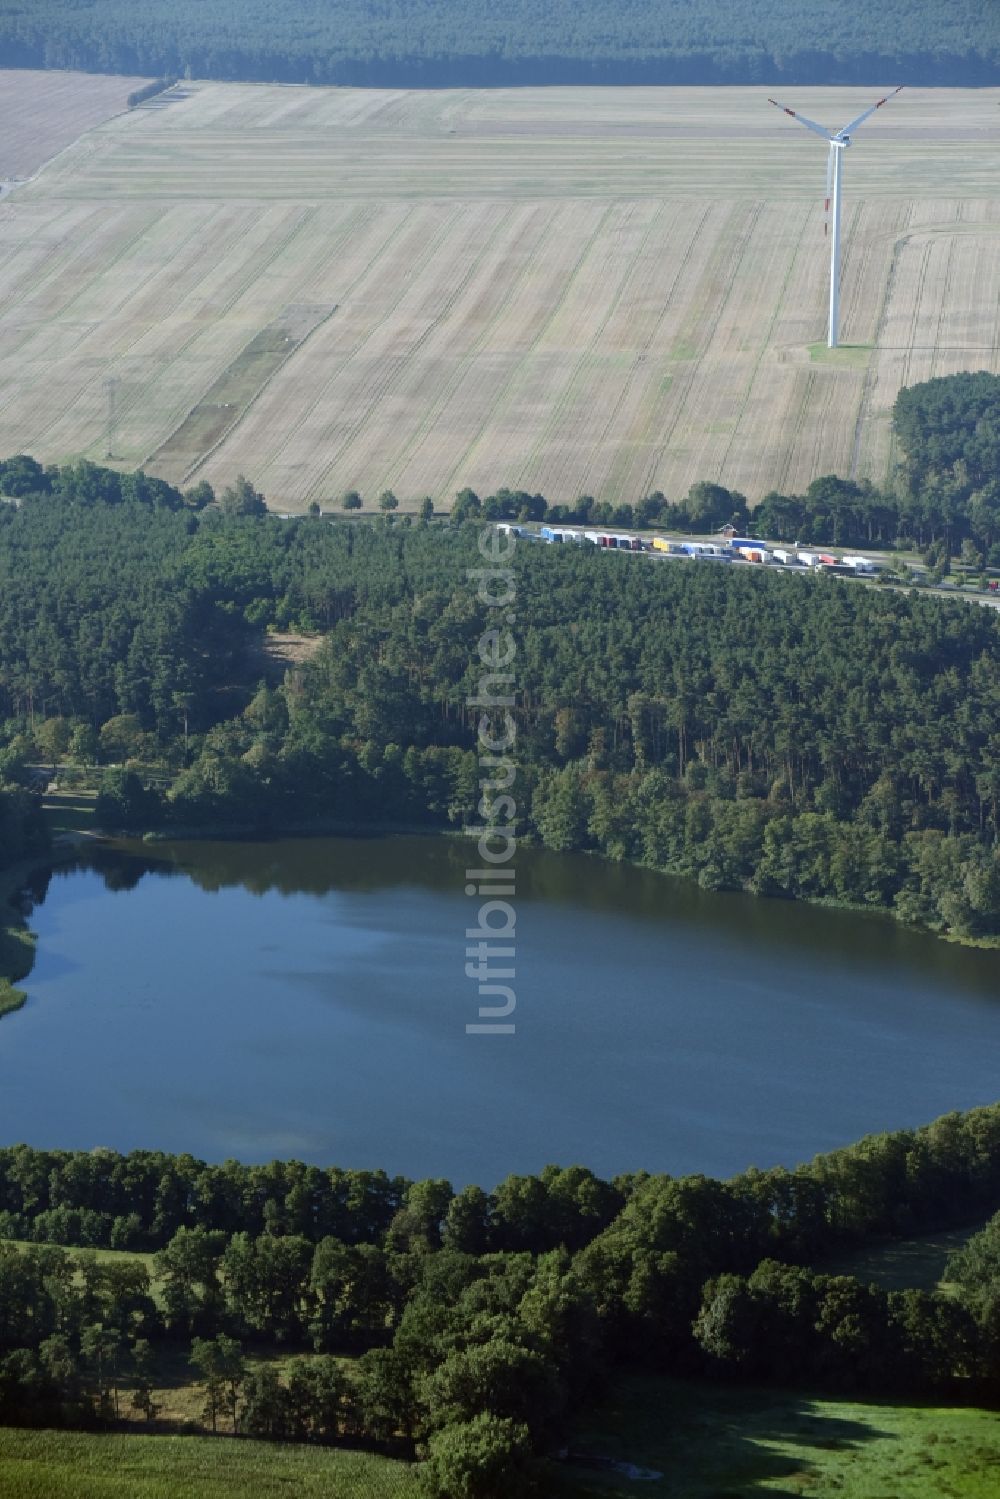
x: 479, y: 1321
x: 149, y: 91
x: 101, y: 1199
x: 940, y: 520
x: 706, y: 507
x: 944, y: 1173
x: 417, y: 43
x: 839, y: 512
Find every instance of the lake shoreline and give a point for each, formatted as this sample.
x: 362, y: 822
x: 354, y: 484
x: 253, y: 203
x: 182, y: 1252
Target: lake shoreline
x: 246, y: 832
x: 17, y: 941
x: 249, y: 833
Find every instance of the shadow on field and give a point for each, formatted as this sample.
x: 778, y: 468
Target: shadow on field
x: 712, y: 1442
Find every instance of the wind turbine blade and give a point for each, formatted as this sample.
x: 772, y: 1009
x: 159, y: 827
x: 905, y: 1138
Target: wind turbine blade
x: 861, y: 118
x: 809, y: 124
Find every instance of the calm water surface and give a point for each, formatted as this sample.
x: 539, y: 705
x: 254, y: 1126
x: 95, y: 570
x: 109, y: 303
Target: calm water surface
x: 308, y: 999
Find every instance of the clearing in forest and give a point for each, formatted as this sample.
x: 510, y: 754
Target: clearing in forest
x: 602, y: 291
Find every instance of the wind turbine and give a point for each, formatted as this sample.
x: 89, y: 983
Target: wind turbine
x: 834, y: 176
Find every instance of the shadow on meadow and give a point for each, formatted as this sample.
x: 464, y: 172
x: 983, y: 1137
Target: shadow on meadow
x: 714, y: 1442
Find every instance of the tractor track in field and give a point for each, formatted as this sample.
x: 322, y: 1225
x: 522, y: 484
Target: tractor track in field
x: 587, y: 358
x: 395, y: 369
x: 516, y: 377
x: 387, y: 373
x: 461, y: 373
x: 734, y: 260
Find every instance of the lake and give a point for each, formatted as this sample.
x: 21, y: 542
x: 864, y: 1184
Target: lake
x: 308, y: 998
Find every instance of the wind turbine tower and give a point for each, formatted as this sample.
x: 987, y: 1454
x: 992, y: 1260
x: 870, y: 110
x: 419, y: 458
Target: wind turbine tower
x: 834, y: 183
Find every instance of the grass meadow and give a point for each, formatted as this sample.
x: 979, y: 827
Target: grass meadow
x: 717, y: 1442
x: 63, y: 1465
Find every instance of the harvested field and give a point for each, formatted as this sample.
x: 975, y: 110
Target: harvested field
x: 41, y: 113
x: 575, y: 291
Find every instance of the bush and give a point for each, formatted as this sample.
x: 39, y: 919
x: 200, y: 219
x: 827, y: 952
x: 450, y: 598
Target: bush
x: 485, y: 1458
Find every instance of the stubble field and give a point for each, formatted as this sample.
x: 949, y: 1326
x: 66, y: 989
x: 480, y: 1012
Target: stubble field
x: 566, y: 290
